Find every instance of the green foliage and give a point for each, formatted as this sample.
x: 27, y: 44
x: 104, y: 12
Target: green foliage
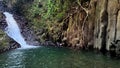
x: 57, y: 8
x: 45, y: 14
x: 46, y: 17
x: 50, y: 10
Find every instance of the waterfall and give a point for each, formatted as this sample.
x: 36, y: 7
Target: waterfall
x: 13, y: 31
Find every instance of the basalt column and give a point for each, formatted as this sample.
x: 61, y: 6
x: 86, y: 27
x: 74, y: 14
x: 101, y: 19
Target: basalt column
x: 101, y: 22
x: 112, y: 9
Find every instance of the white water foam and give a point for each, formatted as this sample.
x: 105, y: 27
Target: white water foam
x: 13, y: 31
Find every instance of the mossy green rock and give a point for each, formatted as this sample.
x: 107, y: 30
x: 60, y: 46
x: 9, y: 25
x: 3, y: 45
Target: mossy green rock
x: 4, y: 42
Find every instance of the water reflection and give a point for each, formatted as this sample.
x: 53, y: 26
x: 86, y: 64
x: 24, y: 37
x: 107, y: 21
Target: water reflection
x: 15, y: 59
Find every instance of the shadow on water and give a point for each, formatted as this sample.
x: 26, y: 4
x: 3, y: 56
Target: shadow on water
x: 51, y: 57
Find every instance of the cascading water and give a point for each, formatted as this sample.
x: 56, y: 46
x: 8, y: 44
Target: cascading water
x: 13, y: 31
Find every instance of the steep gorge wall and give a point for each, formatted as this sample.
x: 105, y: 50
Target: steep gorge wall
x: 101, y: 27
x: 106, y: 24
x: 84, y: 24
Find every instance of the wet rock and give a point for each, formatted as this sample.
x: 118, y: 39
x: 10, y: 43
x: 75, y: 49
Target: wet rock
x: 3, y: 23
x: 26, y: 30
x: 115, y: 48
x: 112, y: 50
x: 48, y: 43
x: 112, y: 21
x: 100, y: 25
x: 4, y: 7
x: 7, y: 43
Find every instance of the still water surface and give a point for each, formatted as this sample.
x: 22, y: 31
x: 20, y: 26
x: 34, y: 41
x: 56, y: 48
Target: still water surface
x: 51, y: 57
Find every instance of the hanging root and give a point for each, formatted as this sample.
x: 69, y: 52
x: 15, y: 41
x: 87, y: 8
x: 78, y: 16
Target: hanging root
x: 85, y: 19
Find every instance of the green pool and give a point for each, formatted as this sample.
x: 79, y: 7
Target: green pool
x: 51, y: 57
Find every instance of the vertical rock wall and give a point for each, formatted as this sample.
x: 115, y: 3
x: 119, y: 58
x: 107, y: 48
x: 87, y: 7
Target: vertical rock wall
x: 107, y: 23
x: 112, y: 9
x: 101, y: 22
x: 102, y: 25
x: 118, y: 26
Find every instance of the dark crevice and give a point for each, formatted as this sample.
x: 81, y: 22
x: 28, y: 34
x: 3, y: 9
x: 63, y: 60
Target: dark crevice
x: 104, y: 32
x: 104, y: 20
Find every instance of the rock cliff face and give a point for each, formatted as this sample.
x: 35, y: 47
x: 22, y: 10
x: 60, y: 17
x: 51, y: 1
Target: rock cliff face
x: 85, y: 24
x: 99, y: 30
x: 107, y: 23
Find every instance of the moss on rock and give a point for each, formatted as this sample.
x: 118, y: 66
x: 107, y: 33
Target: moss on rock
x: 4, y: 42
